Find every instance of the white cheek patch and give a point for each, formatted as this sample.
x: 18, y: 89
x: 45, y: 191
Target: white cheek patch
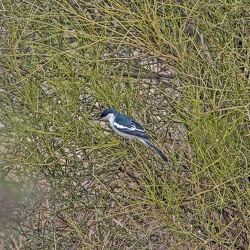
x: 109, y: 117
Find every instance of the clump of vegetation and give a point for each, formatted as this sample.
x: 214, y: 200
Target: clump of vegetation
x: 180, y: 68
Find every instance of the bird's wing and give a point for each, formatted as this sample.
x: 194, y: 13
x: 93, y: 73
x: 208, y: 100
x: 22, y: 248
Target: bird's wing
x: 131, y: 127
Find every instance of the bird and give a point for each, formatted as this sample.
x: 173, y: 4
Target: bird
x: 128, y: 128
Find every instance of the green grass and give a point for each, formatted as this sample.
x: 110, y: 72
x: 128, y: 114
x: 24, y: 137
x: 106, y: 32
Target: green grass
x: 182, y: 69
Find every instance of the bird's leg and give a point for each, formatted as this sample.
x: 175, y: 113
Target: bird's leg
x: 126, y: 141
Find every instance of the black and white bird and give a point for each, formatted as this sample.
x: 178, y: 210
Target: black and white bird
x: 128, y: 128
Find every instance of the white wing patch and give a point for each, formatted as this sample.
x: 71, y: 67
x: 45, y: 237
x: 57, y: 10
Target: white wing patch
x: 133, y: 127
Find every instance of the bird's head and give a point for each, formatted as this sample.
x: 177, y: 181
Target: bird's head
x: 107, y: 114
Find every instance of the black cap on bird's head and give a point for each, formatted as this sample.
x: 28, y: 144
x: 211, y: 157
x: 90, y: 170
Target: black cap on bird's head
x: 107, y: 112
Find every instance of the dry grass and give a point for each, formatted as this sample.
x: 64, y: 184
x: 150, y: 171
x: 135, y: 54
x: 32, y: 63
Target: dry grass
x: 182, y: 69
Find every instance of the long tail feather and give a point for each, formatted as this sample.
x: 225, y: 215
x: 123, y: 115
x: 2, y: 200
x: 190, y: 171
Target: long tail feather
x: 157, y: 150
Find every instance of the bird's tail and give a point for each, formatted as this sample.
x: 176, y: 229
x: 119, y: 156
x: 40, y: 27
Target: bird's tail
x: 157, y: 150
